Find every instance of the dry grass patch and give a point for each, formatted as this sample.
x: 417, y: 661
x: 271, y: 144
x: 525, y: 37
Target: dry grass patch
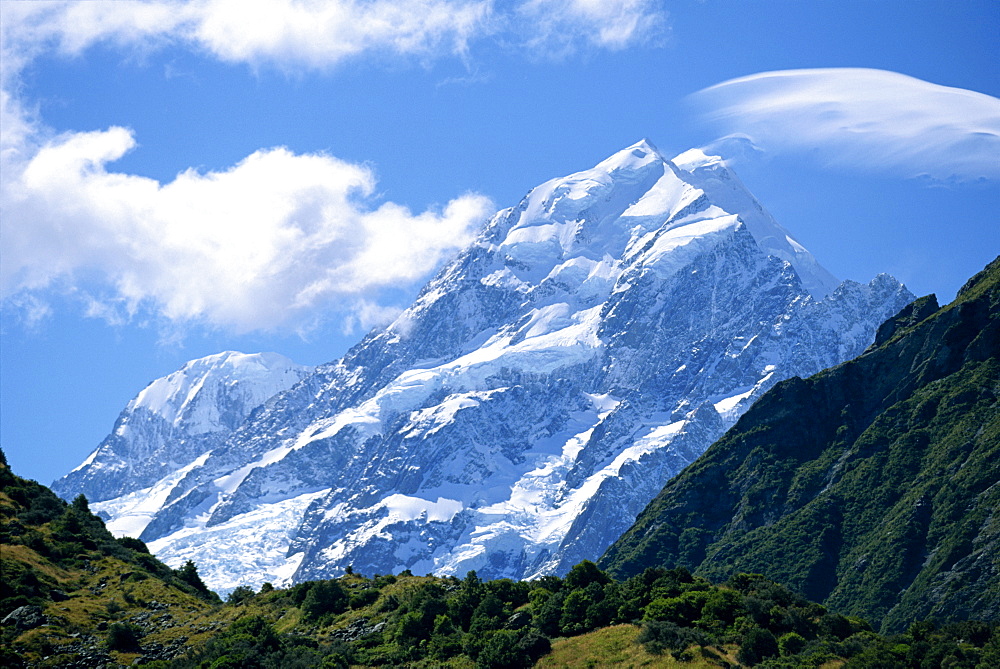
x: 617, y: 647
x: 30, y: 557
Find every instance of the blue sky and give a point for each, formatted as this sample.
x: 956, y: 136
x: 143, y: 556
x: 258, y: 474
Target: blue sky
x: 185, y: 178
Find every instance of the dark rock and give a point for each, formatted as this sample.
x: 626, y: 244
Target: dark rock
x: 26, y: 617
x: 358, y: 630
x: 518, y: 620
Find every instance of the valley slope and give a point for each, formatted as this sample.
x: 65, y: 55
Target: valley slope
x: 873, y: 487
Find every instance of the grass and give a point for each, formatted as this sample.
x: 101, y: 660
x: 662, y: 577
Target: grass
x: 617, y: 646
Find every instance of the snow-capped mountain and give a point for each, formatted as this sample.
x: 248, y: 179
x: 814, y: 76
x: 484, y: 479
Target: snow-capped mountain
x: 542, y: 388
x: 174, y: 421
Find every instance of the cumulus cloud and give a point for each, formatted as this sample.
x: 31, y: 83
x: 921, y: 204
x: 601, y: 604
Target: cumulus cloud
x: 862, y: 119
x: 259, y: 245
x: 268, y: 241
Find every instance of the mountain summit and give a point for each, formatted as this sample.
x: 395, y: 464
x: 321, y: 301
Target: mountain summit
x: 590, y: 343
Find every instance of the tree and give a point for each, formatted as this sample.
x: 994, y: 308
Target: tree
x: 574, y: 612
x: 324, y: 597
x: 189, y: 574
x: 683, y: 610
x: 758, y: 645
x: 134, y: 544
x: 487, y: 615
x: 501, y: 652
x: 80, y: 503
x: 584, y: 574
x: 240, y: 594
x: 446, y: 641
x: 791, y: 643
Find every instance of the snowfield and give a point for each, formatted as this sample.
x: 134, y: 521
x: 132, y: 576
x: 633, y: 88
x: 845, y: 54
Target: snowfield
x: 593, y: 341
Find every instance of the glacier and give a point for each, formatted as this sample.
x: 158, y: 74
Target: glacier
x: 171, y: 426
x: 592, y: 341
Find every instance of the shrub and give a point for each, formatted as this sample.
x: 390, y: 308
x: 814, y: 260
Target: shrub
x: 189, y: 575
x: 364, y: 598
x: 683, y: 610
x: 240, y: 594
x: 133, y: 544
x: 123, y: 637
x: 500, y: 651
x: 323, y: 598
x: 584, y: 574
x: 658, y: 636
x: 835, y: 625
x: 791, y: 644
x: 758, y: 644
x: 533, y: 646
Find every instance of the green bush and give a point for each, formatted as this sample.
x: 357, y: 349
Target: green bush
x: 124, y: 637
x: 658, y: 636
x: 791, y: 644
x: 240, y: 594
x: 500, y: 651
x: 133, y: 544
x: 323, y: 598
x: 187, y: 574
x: 363, y: 598
x: 758, y: 644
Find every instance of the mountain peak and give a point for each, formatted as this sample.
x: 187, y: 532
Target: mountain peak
x: 172, y: 396
x: 638, y: 155
x: 719, y: 182
x: 694, y: 159
x: 548, y: 380
x: 179, y: 417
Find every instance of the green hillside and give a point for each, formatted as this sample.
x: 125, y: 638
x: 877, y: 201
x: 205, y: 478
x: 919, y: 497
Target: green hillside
x: 872, y: 487
x: 73, y: 596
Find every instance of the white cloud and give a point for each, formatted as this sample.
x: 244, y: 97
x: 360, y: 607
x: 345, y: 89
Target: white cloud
x: 287, y: 33
x: 863, y: 119
x: 261, y: 245
x: 269, y: 241
x: 560, y: 26
x: 318, y: 34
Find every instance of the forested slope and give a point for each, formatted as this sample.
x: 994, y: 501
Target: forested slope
x: 871, y: 487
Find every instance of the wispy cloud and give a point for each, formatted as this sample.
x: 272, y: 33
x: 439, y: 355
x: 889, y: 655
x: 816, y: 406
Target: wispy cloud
x: 865, y: 119
x: 319, y: 35
x: 278, y: 237
x: 285, y: 33
x: 561, y: 27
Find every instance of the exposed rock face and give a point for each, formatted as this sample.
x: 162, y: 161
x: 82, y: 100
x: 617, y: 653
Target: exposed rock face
x: 26, y: 617
x: 872, y: 487
x: 174, y: 421
x: 593, y: 341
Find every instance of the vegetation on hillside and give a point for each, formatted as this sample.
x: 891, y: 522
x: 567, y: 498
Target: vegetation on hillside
x: 72, y: 593
x: 73, y: 596
x: 871, y: 487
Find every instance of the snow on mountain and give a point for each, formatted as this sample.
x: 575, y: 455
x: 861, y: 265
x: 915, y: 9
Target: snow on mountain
x: 592, y: 342
x: 169, y: 428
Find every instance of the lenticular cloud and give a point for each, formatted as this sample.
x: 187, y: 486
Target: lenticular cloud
x: 863, y: 118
